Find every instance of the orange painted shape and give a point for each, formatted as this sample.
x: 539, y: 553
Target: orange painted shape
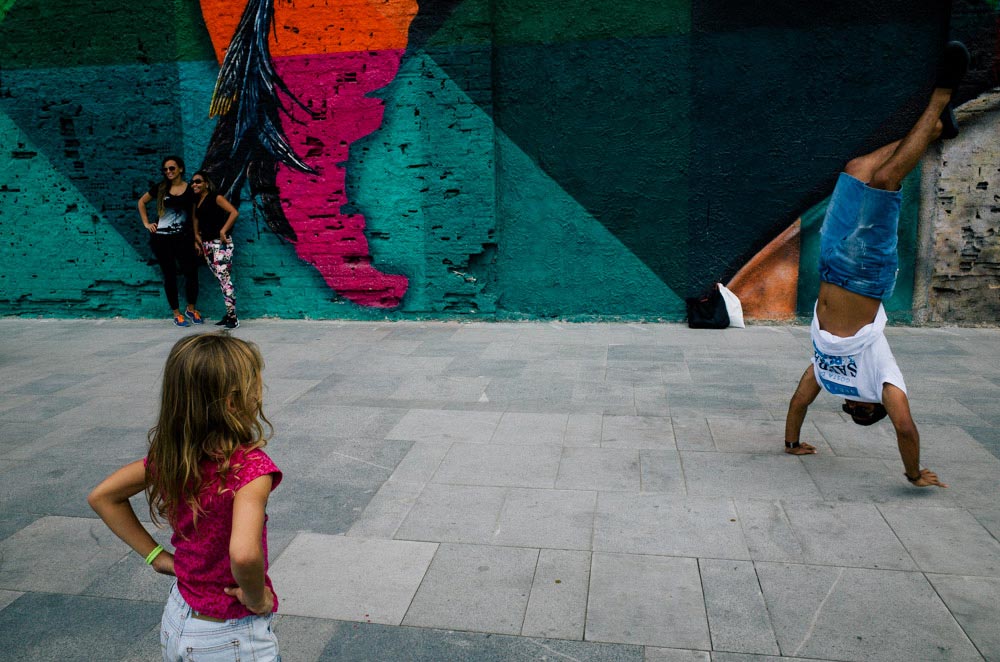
x: 311, y: 27
x: 768, y: 285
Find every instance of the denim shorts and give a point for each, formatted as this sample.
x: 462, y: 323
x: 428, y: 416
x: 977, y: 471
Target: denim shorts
x: 184, y: 638
x: 858, y: 244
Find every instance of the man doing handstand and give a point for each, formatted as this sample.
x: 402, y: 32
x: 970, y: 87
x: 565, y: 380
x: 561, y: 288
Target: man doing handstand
x: 857, y: 267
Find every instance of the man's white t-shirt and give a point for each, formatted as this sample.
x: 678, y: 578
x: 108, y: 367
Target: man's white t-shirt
x: 856, y: 367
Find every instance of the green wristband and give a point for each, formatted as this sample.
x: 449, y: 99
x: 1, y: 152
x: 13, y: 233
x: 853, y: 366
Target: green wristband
x: 153, y: 554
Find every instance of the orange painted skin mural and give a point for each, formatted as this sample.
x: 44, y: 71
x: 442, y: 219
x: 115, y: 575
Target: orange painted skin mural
x: 331, y: 54
x: 768, y: 284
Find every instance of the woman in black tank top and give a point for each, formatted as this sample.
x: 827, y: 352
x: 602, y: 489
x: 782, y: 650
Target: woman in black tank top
x: 214, y: 217
x: 170, y: 237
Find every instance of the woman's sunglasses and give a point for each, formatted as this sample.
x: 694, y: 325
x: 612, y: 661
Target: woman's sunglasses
x: 197, y: 181
x: 170, y: 169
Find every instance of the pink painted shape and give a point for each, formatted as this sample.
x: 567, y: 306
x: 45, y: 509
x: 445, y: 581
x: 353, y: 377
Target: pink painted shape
x: 335, y: 85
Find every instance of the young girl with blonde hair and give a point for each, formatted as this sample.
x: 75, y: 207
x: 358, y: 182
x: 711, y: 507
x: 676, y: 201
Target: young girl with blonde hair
x: 207, y: 475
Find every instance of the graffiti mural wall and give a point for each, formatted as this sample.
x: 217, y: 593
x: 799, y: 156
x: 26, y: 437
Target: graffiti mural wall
x: 498, y: 159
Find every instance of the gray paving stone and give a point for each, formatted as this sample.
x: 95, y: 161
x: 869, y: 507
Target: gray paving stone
x: 742, y: 657
x: 583, y: 430
x: 90, y: 379
x: 528, y: 428
x: 372, y: 580
x: 303, y: 639
x: 131, y: 579
x: 840, y: 534
x: 454, y: 513
x: 441, y: 387
x: 989, y: 437
x: 510, y: 466
x: 278, y: 392
x: 604, y: 394
x: 422, y: 460
x: 753, y: 436
x: 7, y: 597
x: 557, y: 519
x: 945, y: 540
x: 358, y: 461
x: 12, y: 523
x: 692, y: 433
x: 651, y: 400
x: 938, y: 443
x: 647, y: 600
x: 38, y: 558
x: 971, y: 485
x: 708, y: 399
x: 447, y: 426
x: 64, y: 628
x: 601, y: 469
x: 387, y: 510
x: 668, y: 525
x: 640, y: 372
x: 367, y: 642
x: 638, y: 432
x: 661, y: 472
x: 942, y: 409
x: 973, y: 602
x: 774, y: 476
x: 478, y: 588
x: 859, y: 614
x: 557, y: 605
x: 675, y: 655
x: 473, y: 366
x: 727, y: 371
x: 36, y: 409
x: 333, y: 420
x: 990, y: 519
x: 644, y: 353
x: 737, y: 615
x: 868, y: 480
x: 314, y: 504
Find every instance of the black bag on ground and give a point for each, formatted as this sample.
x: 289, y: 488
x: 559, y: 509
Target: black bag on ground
x: 708, y: 310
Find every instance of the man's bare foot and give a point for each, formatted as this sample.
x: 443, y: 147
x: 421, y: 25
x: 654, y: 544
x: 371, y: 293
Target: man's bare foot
x: 799, y: 448
x: 927, y: 478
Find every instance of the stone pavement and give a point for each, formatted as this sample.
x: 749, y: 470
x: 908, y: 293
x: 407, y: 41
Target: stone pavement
x: 529, y: 491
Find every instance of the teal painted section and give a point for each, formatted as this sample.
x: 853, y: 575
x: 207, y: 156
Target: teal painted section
x: 555, y: 259
x: 425, y: 184
x: 61, y: 257
x: 899, y: 306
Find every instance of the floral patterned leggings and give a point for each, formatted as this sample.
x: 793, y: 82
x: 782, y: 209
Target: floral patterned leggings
x: 219, y: 256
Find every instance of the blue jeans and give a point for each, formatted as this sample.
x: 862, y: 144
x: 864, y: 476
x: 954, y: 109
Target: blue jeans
x: 858, y: 244
x: 184, y: 638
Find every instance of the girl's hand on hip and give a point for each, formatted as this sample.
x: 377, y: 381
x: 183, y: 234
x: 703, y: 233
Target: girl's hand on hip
x: 164, y: 563
x: 265, y: 607
x: 225, y: 238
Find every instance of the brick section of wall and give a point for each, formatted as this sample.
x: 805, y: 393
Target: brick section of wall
x: 965, y: 284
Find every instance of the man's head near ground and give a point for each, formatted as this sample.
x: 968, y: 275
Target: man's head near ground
x: 864, y: 413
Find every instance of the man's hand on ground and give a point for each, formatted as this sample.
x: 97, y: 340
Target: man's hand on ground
x: 927, y: 479
x: 801, y: 449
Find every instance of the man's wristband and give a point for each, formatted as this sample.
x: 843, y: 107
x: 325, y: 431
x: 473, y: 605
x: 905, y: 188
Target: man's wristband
x: 153, y: 554
x: 913, y: 480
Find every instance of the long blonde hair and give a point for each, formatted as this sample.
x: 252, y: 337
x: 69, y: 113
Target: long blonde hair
x: 209, y: 406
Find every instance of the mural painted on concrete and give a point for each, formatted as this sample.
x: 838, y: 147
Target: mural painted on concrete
x: 504, y: 158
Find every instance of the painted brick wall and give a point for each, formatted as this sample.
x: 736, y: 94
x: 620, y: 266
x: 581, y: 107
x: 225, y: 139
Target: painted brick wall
x: 526, y: 159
